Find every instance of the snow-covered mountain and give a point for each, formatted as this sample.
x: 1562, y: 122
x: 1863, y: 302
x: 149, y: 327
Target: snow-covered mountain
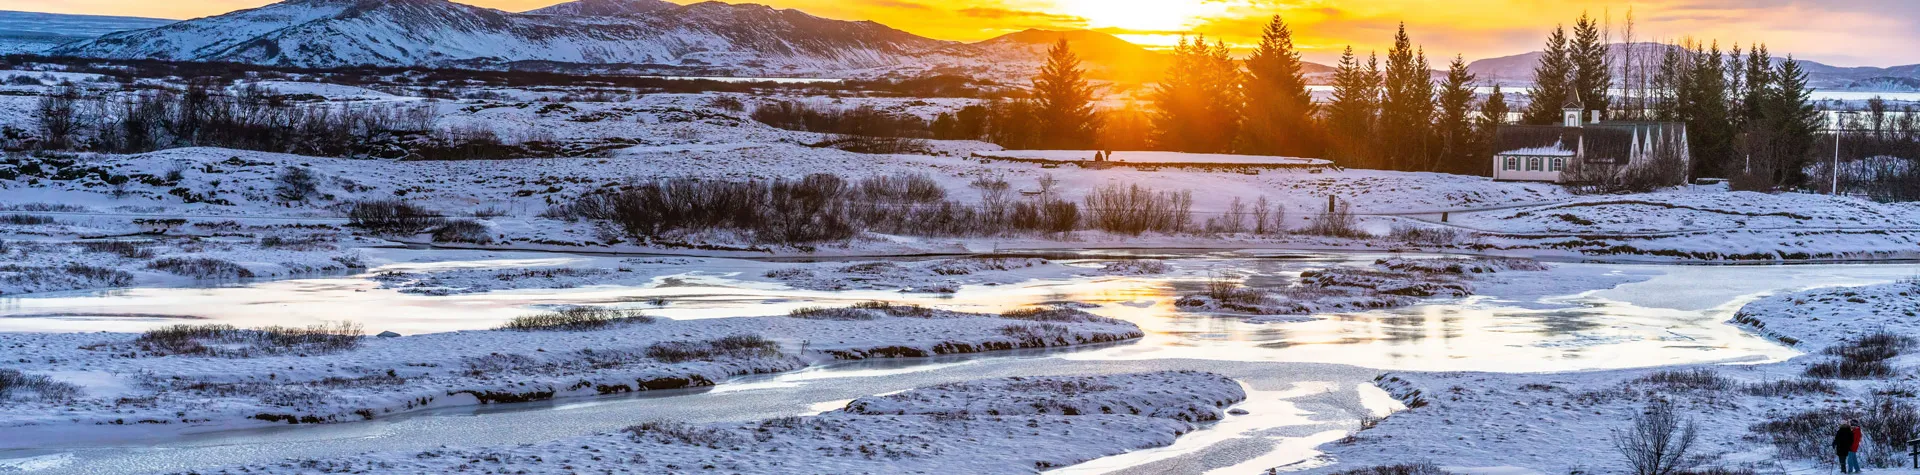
x: 30, y: 32
x: 605, y: 8
x: 332, y: 33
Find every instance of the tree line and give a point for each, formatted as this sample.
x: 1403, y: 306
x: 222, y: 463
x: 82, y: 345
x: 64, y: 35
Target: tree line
x: 1749, y: 116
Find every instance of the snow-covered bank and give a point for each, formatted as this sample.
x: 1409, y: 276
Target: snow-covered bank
x: 1010, y: 425
x: 212, y: 377
x: 1388, y: 283
x: 1768, y: 418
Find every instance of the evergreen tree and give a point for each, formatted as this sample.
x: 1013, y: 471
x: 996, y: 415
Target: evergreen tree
x: 1406, y: 110
x: 1459, y: 152
x: 1709, y: 120
x: 1551, y: 82
x: 1493, y: 114
x: 1796, y: 123
x: 1279, y: 109
x: 1065, y: 101
x: 1592, y: 76
x: 1350, y: 113
x: 1198, y: 103
x: 1758, y: 84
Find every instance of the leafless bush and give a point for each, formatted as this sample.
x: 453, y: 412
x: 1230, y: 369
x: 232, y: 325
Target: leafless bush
x: 681, y: 433
x: 901, y: 188
x: 200, y: 268
x: 861, y: 121
x: 1054, y: 315
x: 1659, y: 443
x: 25, y: 219
x: 862, y: 311
x: 1424, y: 235
x: 295, y: 184
x: 1863, y: 358
x: 736, y: 346
x: 576, y: 319
x: 1133, y: 209
x: 226, y: 341
x: 1791, y: 387
x: 1338, y: 223
x: 875, y: 145
x: 59, y: 117
x: 463, y: 230
x: 18, y: 386
x: 1698, y: 379
x: 727, y: 103
x: 1402, y: 469
x: 125, y: 249
x: 391, y: 216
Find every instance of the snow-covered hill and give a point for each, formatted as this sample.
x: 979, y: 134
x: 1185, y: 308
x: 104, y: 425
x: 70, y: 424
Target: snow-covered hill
x: 1518, y: 69
x: 747, y: 38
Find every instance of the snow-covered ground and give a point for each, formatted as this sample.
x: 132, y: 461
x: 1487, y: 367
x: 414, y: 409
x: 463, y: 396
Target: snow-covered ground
x: 1565, y: 422
x: 240, y: 377
x: 1009, y: 425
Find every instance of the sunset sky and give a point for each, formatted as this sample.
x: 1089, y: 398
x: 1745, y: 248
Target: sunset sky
x: 1847, y: 32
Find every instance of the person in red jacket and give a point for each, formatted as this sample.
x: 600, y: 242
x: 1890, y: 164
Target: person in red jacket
x: 1853, y: 455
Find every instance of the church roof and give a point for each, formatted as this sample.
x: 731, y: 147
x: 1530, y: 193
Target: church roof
x: 1574, y: 102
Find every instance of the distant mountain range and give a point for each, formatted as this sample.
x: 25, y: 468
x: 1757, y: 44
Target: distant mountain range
x: 644, y: 36
x: 1518, y: 70
x: 29, y: 32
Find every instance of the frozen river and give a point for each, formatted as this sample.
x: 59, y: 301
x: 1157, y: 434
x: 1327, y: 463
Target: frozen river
x: 1306, y: 377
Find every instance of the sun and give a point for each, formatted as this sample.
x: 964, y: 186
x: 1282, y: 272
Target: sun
x: 1143, y: 15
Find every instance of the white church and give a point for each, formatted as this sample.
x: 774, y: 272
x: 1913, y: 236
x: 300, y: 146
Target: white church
x: 1544, y: 152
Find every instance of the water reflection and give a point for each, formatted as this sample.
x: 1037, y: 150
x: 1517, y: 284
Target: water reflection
x: 1576, y: 316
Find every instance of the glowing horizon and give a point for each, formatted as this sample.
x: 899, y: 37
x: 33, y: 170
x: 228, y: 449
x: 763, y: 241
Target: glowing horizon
x: 1857, y: 33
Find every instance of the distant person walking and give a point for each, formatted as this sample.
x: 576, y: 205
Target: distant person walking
x: 1853, y: 456
x: 1843, y: 440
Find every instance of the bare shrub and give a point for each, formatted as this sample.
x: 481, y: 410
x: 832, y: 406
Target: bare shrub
x: 1038, y: 334
x: 18, y: 386
x: 1424, y: 235
x: 1863, y: 358
x: 1054, y: 315
x: 1133, y: 209
x: 727, y: 103
x: 226, y: 341
x: 1791, y: 387
x: 681, y: 433
x: 391, y: 216
x: 1402, y: 469
x: 200, y: 268
x: 1664, y: 169
x: 736, y: 346
x: 295, y: 184
x: 463, y: 230
x: 1698, y: 379
x: 875, y: 145
x: 1887, y: 421
x: 59, y: 117
x: 1659, y: 443
x: 576, y: 319
x: 858, y: 121
x: 901, y: 188
x: 25, y: 219
x: 1339, y: 223
x: 125, y: 249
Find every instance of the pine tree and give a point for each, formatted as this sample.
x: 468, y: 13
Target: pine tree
x: 1796, y: 123
x: 1758, y: 84
x: 1709, y: 121
x: 1279, y: 109
x: 1592, y: 76
x: 1065, y: 100
x: 1551, y: 82
x: 1350, y: 113
x: 1406, y: 110
x: 1493, y: 114
x: 1454, y: 129
x: 1198, y: 103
